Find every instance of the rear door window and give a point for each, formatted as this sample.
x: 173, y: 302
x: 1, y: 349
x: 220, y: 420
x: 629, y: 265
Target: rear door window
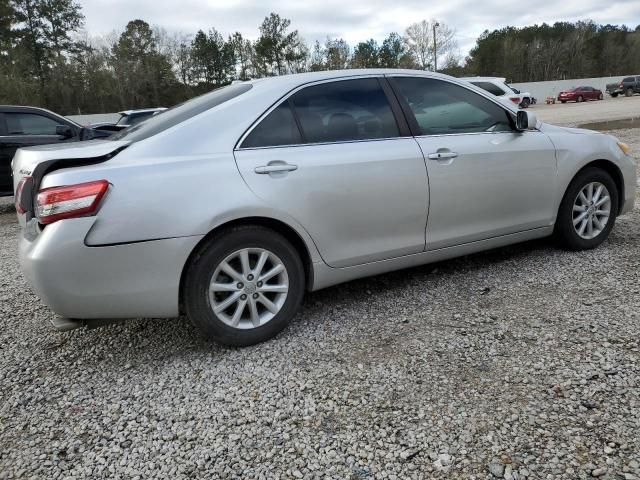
x: 345, y: 110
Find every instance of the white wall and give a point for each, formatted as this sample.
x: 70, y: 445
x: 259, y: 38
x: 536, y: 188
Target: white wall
x: 542, y: 90
x: 96, y: 118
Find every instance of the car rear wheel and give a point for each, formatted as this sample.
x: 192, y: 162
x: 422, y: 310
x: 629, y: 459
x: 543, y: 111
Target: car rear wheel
x: 588, y: 210
x: 600, y: 96
x: 244, y: 286
x: 580, y: 99
x: 614, y: 95
x: 628, y: 92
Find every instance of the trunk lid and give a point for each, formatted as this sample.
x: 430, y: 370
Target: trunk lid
x: 31, y: 164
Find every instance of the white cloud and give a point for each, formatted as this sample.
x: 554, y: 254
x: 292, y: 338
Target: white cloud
x: 354, y: 20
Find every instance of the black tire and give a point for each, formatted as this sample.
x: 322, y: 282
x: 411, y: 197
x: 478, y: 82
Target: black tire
x: 563, y: 101
x: 525, y: 102
x: 614, y: 95
x: 601, y: 97
x: 564, y: 230
x: 203, y: 265
x: 580, y: 99
x: 628, y: 92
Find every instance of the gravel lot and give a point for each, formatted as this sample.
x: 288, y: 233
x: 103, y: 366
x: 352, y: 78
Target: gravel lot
x: 519, y: 363
x: 577, y: 113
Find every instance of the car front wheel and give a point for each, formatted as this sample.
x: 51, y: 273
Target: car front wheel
x: 588, y: 210
x: 244, y: 286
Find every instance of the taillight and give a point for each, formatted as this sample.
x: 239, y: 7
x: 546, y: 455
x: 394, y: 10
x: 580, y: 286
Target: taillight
x: 69, y: 201
x: 621, y: 85
x: 18, y: 196
x: 515, y: 99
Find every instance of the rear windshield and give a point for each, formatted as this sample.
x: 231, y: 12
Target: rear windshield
x: 180, y: 113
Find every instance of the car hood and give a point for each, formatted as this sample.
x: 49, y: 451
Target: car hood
x: 548, y: 128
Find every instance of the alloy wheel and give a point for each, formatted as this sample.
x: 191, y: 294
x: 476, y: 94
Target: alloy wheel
x: 248, y: 288
x: 591, y: 210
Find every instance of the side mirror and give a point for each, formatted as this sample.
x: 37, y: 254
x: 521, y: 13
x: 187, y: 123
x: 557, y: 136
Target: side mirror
x: 526, y: 120
x: 64, y: 131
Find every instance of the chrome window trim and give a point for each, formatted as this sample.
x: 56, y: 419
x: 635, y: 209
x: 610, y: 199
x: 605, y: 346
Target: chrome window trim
x: 289, y: 94
x: 314, y: 144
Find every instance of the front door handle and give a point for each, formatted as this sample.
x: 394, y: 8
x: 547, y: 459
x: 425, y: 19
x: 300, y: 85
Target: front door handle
x: 442, y: 155
x: 275, y: 167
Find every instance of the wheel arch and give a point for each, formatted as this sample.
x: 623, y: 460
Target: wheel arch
x: 613, y: 170
x: 268, y: 222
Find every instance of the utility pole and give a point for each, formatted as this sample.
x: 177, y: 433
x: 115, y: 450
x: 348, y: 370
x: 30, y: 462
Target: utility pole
x: 435, y: 48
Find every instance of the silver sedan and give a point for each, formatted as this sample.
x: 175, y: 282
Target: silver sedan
x: 232, y: 205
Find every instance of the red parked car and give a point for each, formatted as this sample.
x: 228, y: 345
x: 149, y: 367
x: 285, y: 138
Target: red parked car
x: 580, y: 94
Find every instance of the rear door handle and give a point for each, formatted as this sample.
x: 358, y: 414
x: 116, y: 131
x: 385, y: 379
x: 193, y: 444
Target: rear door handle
x: 442, y: 155
x: 277, y: 167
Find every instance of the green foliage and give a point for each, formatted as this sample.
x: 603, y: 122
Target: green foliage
x: 549, y: 52
x: 277, y: 49
x: 366, y: 55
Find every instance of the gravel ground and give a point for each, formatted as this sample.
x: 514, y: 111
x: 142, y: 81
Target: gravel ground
x: 576, y: 113
x: 519, y: 363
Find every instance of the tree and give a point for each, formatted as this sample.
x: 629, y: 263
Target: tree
x: 243, y: 52
x: 366, y: 55
x: 275, y: 46
x: 213, y: 60
x: 392, y: 50
x: 141, y: 70
x: 419, y: 40
x: 334, y: 54
x: 7, y: 19
x: 44, y: 35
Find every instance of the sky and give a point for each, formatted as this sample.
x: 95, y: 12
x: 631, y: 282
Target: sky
x: 353, y: 20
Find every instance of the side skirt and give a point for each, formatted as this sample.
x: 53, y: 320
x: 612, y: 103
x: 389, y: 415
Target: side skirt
x: 325, y: 276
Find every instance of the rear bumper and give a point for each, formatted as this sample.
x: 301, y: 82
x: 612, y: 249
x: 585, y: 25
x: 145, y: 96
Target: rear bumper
x: 120, y: 281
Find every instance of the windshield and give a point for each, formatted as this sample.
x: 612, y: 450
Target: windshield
x: 180, y: 113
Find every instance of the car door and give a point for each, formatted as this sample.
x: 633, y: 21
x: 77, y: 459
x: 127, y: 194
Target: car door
x: 485, y: 179
x: 338, y: 159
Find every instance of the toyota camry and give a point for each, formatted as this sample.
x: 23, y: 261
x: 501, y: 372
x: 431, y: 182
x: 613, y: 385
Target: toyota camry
x: 228, y: 207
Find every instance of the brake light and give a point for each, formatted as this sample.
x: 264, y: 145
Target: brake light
x: 515, y: 99
x: 18, y: 196
x: 69, y: 201
x: 621, y: 85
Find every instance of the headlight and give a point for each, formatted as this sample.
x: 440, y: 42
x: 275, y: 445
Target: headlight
x: 626, y: 149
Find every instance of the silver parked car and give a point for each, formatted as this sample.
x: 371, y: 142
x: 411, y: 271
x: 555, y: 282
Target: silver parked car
x: 229, y: 206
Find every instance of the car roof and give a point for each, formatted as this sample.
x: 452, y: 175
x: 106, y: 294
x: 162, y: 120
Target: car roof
x: 297, y: 79
x: 28, y: 109
x: 142, y: 110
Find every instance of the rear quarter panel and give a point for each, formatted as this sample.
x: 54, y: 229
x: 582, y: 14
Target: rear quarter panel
x: 159, y: 197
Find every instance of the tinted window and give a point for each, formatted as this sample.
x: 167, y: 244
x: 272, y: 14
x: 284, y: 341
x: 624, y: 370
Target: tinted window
x: 628, y: 79
x: 490, y: 87
x: 345, y: 110
x: 277, y: 128
x: 442, y: 107
x: 180, y: 113
x: 30, y: 124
